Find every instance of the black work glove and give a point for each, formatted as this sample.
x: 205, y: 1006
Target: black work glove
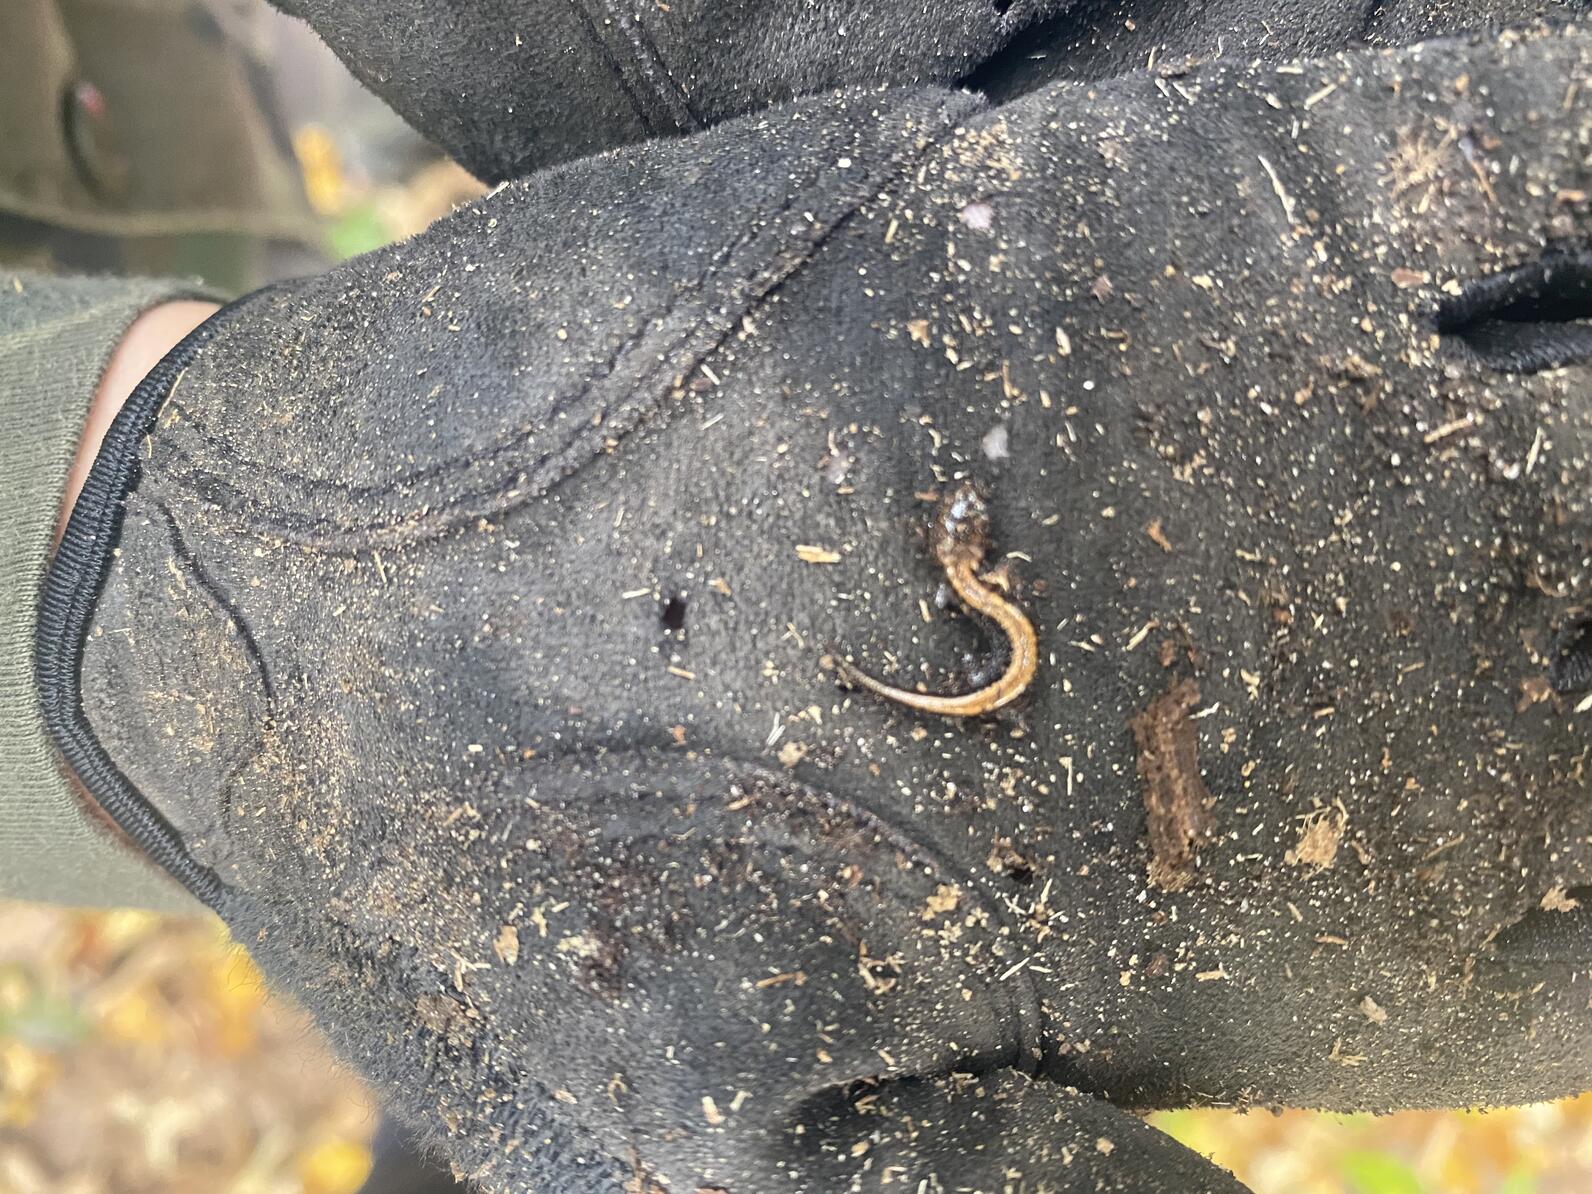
x: 455, y: 623
x: 508, y: 86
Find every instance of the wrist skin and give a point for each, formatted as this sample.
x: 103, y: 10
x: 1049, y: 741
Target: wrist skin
x: 150, y: 337
x: 147, y: 340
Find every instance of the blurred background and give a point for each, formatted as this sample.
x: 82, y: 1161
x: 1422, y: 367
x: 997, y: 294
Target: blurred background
x: 144, y: 1056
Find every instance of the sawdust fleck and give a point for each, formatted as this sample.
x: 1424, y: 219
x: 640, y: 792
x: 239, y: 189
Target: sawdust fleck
x: 1158, y: 536
x: 1319, y: 839
x: 507, y: 945
x: 945, y: 899
x: 1559, y: 900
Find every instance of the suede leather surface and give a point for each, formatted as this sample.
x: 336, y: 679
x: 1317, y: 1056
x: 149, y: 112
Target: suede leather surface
x: 1098, y: 39
x: 510, y: 86
x: 466, y: 622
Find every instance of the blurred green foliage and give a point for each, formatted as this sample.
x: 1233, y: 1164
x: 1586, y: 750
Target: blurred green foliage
x: 358, y: 230
x: 1378, y: 1173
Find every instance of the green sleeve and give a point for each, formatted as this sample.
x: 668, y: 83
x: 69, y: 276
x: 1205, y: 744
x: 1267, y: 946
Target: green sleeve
x: 56, y: 335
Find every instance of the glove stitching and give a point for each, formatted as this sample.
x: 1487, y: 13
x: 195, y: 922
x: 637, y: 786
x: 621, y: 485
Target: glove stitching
x: 771, y: 270
x: 665, y: 777
x: 645, y: 57
x: 514, y: 439
x: 1030, y: 1019
x: 613, y: 59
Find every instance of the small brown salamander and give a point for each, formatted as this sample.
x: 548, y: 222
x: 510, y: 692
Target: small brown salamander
x: 960, y: 539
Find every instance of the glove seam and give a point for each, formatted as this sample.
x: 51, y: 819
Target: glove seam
x: 521, y: 484
x: 1029, y: 1018
x: 638, y: 47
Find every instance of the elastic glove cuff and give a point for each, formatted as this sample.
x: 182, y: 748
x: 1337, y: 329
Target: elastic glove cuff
x: 71, y: 591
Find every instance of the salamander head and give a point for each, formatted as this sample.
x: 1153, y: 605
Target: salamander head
x: 961, y: 526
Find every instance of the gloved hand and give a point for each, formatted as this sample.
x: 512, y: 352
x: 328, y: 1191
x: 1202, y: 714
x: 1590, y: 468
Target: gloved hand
x: 455, y: 624
x: 509, y: 86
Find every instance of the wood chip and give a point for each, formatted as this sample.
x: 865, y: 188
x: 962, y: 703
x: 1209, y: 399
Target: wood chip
x: 945, y: 899
x: 1319, y: 839
x: 1315, y: 97
x: 811, y: 554
x: 1177, y: 804
x: 1283, y: 197
x: 799, y: 977
x: 1448, y: 429
x: 1158, y: 536
x: 1559, y: 900
x: 507, y: 945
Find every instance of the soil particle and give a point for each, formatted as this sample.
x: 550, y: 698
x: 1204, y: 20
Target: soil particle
x: 446, y: 1018
x: 1177, y: 803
